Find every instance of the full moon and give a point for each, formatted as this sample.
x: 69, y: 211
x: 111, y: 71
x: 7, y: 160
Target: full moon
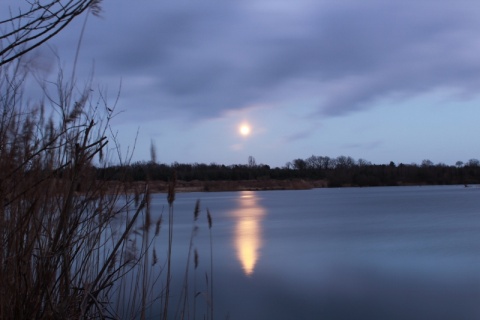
x: 244, y: 130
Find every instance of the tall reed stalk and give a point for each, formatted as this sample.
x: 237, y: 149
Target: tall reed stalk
x: 209, y: 218
x: 171, y: 199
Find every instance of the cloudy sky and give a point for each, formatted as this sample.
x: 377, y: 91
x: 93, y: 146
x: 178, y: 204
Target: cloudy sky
x: 379, y: 80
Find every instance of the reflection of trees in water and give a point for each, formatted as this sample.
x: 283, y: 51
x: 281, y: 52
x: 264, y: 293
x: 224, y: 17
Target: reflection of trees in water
x: 248, y: 230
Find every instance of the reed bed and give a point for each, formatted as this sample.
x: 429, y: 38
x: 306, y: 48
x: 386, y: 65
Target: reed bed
x: 73, y: 246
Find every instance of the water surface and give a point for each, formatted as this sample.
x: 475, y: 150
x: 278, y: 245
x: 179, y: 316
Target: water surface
x: 349, y: 253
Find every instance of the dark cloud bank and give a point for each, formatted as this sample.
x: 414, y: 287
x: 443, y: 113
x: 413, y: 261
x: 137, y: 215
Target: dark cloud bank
x: 208, y: 56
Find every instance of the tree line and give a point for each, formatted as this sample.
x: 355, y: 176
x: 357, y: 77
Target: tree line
x: 337, y: 172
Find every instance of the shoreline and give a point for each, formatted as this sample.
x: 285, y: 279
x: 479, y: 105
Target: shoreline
x: 182, y: 186
x: 158, y: 186
x: 227, y: 185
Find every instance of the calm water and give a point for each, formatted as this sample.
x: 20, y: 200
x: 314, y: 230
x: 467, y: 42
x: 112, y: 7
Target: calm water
x: 350, y: 253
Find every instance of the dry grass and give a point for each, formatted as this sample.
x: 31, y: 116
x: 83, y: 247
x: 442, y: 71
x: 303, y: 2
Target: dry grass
x: 61, y: 254
x: 227, y: 185
x: 72, y: 246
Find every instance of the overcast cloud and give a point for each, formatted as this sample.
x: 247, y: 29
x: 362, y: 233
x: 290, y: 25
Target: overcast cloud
x: 209, y: 56
x: 201, y: 59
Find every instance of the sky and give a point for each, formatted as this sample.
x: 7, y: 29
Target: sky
x: 378, y: 80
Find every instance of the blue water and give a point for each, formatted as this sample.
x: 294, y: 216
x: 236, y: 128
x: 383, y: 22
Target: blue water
x: 349, y: 253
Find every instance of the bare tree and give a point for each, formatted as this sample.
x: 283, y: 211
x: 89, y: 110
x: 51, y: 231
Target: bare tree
x: 473, y: 163
x: 427, y: 163
x: 27, y: 28
x: 363, y: 163
x: 299, y: 164
x: 313, y: 162
x: 252, y: 162
x: 345, y: 162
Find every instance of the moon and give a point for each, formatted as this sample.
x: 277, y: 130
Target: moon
x: 245, y: 130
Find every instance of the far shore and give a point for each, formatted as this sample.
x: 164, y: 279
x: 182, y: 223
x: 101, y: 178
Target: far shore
x: 182, y: 186
x: 239, y: 185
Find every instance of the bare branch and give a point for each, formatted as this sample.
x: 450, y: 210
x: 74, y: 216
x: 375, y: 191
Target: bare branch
x: 28, y: 29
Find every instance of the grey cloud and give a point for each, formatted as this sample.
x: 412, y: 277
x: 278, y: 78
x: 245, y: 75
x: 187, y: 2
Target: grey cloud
x: 215, y: 55
x: 298, y: 136
x: 365, y: 146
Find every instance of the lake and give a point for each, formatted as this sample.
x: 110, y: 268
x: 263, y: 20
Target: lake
x: 347, y: 253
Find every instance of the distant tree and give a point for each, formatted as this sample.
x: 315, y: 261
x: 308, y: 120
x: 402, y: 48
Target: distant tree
x: 459, y: 164
x: 313, y: 162
x: 473, y: 163
x: 251, y: 162
x: 299, y: 164
x: 363, y: 163
x: 153, y: 152
x: 332, y: 163
x: 427, y: 163
x: 327, y: 163
x: 345, y: 162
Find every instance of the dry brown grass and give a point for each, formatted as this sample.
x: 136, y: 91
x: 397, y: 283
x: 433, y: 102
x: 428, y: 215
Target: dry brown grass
x: 73, y: 246
x: 60, y: 254
x: 226, y: 185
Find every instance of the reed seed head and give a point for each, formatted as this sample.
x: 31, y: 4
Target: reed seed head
x: 155, y: 258
x: 209, y: 217
x: 196, y: 258
x: 196, y: 212
x: 158, y: 225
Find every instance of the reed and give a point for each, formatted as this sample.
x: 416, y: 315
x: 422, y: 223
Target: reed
x: 210, y: 285
x: 74, y: 246
x: 62, y: 247
x: 184, y: 297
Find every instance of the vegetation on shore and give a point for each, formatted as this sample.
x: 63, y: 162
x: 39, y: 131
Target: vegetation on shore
x: 313, y: 172
x: 159, y: 186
